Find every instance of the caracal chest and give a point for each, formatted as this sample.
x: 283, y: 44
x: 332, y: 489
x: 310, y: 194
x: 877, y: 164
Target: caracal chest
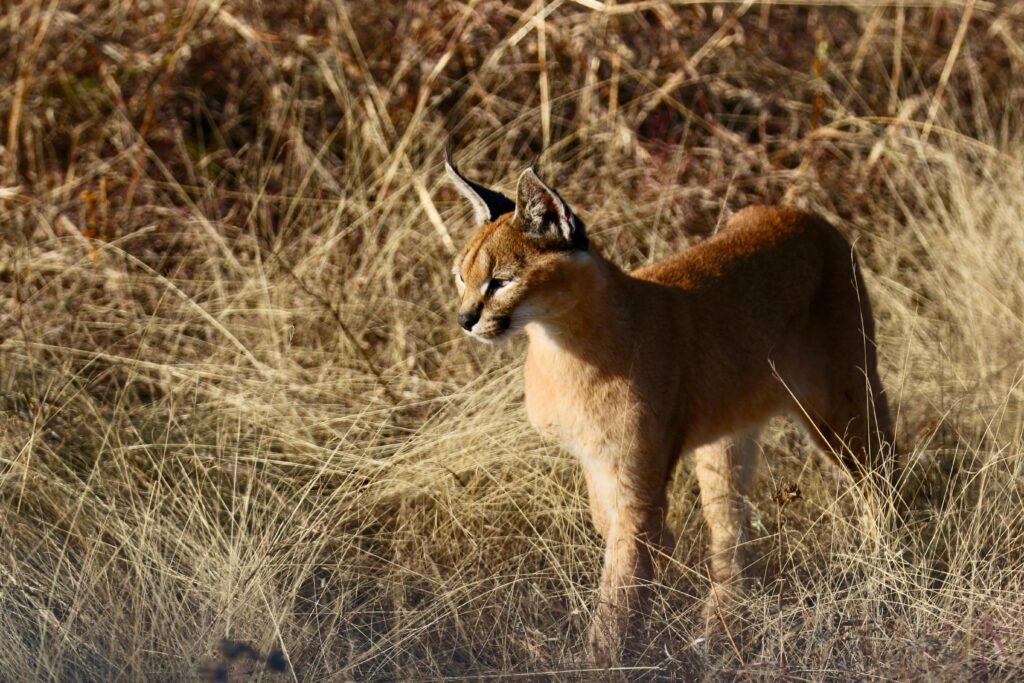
x: 571, y: 402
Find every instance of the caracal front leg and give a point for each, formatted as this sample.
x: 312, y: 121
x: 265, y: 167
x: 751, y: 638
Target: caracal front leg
x: 599, y: 480
x: 632, y: 511
x: 726, y: 471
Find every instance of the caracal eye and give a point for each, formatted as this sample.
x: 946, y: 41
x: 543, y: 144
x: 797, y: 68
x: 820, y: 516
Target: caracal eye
x: 496, y: 283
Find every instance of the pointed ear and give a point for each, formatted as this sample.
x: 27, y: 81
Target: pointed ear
x: 543, y: 214
x: 487, y: 204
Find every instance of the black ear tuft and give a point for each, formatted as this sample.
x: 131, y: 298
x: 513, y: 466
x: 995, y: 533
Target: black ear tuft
x: 487, y: 204
x: 543, y: 214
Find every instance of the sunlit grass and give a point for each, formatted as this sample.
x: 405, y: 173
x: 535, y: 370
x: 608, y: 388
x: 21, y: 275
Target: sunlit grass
x: 239, y: 430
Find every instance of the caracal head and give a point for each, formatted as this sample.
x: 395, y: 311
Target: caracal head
x: 516, y: 267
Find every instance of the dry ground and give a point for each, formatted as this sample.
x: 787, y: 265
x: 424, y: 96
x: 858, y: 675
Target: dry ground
x: 240, y: 435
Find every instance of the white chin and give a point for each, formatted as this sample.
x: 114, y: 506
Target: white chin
x: 498, y: 338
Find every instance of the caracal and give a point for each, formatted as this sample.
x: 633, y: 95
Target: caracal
x: 693, y: 353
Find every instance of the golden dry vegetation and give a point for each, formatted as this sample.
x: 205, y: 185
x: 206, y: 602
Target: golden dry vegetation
x: 241, y: 435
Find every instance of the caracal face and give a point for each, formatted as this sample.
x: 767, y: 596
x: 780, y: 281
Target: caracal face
x: 516, y: 266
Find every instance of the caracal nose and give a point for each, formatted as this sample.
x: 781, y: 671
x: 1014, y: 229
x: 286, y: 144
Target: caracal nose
x: 468, y: 319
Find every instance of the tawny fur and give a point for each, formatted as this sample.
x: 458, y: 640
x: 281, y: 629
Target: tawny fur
x: 692, y: 353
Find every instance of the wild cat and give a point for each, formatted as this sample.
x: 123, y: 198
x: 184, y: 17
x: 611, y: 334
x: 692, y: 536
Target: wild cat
x: 628, y: 371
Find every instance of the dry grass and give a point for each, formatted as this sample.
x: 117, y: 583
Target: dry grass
x: 234, y: 405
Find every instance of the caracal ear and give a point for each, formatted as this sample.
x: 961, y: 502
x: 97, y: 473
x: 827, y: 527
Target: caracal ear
x: 487, y: 204
x: 543, y: 214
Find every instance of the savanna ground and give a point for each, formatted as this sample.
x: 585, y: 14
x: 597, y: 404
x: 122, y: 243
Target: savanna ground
x: 241, y: 435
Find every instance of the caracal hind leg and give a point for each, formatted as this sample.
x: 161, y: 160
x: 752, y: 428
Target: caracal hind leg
x: 852, y: 425
x: 726, y: 471
x: 843, y: 404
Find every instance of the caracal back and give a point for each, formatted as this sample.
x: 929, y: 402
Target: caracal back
x: 783, y: 325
